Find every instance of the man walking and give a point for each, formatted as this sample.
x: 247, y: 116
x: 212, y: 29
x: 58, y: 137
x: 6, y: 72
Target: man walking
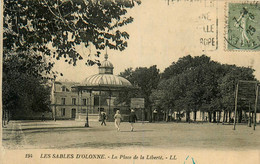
x: 103, y: 118
x: 132, y: 119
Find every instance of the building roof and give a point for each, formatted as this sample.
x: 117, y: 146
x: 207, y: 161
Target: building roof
x: 105, y: 78
x: 67, y: 84
x: 106, y: 63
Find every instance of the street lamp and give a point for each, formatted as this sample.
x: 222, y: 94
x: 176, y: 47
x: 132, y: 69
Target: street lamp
x: 86, y: 124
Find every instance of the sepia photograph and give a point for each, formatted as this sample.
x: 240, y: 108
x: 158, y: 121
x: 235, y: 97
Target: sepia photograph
x: 130, y: 81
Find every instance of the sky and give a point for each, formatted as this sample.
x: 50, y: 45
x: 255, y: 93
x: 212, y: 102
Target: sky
x: 161, y: 34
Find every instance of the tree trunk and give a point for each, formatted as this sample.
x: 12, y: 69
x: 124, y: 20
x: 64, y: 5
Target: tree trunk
x: 4, y: 118
x: 214, y: 116
x: 164, y: 115
x: 150, y: 115
x: 229, y: 116
x: 209, y: 115
x: 167, y: 114
x: 224, y: 117
x: 218, y: 117
x: 249, y: 119
x: 195, y: 116
x: 239, y: 116
x: 8, y: 116
x: 187, y: 116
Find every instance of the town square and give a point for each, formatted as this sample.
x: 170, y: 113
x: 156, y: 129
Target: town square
x: 171, y: 135
x: 130, y: 81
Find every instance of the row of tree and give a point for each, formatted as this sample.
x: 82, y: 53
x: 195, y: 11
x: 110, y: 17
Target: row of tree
x: 24, y: 92
x: 192, y: 84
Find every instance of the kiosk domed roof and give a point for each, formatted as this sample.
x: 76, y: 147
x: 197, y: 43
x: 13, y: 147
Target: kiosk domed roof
x: 105, y: 78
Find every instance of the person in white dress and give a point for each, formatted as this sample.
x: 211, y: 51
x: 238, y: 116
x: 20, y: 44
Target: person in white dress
x: 117, y: 118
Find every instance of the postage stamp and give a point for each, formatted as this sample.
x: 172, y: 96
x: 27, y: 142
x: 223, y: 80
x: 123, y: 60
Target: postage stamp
x: 243, y: 26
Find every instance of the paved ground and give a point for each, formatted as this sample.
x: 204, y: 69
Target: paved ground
x: 72, y: 134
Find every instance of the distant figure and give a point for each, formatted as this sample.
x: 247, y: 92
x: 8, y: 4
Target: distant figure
x: 155, y: 115
x: 232, y: 120
x: 169, y: 115
x: 117, y: 118
x: 43, y: 118
x: 103, y: 118
x: 132, y: 119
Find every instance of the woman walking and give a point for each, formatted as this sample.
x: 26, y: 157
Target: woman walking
x: 103, y: 118
x: 117, y: 118
x: 132, y: 119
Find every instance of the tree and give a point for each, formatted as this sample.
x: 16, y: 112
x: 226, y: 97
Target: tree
x: 180, y: 66
x: 23, y: 91
x: 191, y: 78
x: 198, y: 83
x: 54, y: 28
x: 170, y: 94
x: 146, y: 79
x: 227, y: 88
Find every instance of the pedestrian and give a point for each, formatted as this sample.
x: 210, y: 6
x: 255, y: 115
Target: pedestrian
x: 155, y: 118
x: 103, y: 118
x: 169, y: 115
x: 117, y: 118
x: 132, y: 119
x: 43, y: 118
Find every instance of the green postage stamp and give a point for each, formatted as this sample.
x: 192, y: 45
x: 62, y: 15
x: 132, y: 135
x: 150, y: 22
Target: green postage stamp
x: 243, y: 26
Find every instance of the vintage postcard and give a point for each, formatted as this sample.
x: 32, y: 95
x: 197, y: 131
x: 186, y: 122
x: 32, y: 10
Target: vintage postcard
x: 130, y: 81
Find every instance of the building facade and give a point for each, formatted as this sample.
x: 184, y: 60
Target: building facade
x: 65, y: 102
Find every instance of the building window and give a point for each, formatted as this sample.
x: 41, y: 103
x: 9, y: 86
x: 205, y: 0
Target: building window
x: 96, y: 101
x: 63, y: 111
x: 83, y: 110
x: 84, y: 101
x: 63, y: 88
x: 73, y: 101
x: 63, y: 101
